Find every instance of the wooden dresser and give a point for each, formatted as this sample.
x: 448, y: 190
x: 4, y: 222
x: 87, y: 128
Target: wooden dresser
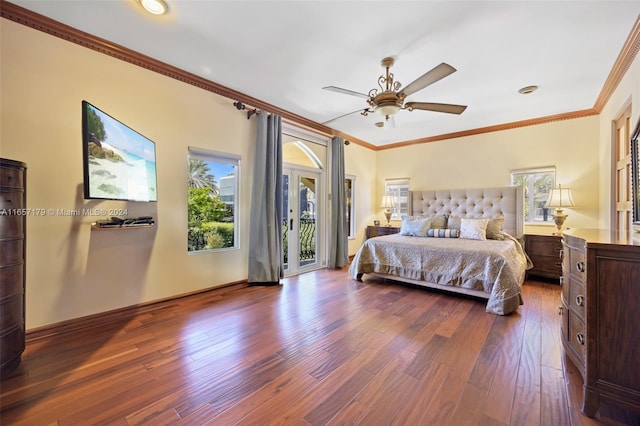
x: 12, y: 262
x: 376, y: 231
x: 601, y: 316
x: 544, y: 252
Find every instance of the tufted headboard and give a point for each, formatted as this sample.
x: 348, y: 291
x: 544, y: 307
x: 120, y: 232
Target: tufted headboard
x: 473, y: 203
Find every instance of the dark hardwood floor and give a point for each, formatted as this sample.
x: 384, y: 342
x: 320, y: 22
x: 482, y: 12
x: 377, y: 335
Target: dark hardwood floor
x: 321, y: 349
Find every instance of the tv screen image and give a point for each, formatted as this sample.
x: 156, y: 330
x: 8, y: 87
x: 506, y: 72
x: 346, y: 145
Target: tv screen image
x: 119, y: 163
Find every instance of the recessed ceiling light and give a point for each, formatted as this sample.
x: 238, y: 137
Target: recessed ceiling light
x: 156, y: 7
x: 528, y: 89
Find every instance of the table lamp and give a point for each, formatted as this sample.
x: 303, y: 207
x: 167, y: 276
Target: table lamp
x: 387, y: 204
x: 559, y: 197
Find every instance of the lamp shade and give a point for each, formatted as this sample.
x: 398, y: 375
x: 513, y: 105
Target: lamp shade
x: 560, y: 197
x: 387, y: 202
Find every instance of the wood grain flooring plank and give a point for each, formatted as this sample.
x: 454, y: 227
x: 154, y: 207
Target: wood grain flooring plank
x: 338, y: 399
x: 351, y: 414
x: 470, y: 405
x: 499, y: 400
x: 551, y: 346
x: 526, y: 399
x: 306, y: 402
x: 423, y: 359
x: 424, y: 393
x: 265, y: 403
x: 553, y: 399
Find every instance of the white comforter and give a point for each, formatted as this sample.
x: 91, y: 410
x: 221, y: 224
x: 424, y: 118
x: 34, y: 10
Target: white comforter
x: 495, y: 267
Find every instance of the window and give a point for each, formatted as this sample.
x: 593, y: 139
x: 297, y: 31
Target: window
x: 350, y: 187
x: 212, y: 203
x: 537, y: 184
x: 399, y: 189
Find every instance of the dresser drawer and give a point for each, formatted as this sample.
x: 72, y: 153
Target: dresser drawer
x: 543, y: 245
x: 577, y: 263
x: 577, y: 298
x: 11, y: 251
x: 576, y: 336
x: 11, y: 279
x: 549, y: 264
x: 13, y: 313
x: 11, y: 178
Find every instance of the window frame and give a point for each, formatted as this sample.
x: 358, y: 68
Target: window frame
x: 529, y: 204
x: 399, y: 188
x: 351, y: 209
x: 209, y: 156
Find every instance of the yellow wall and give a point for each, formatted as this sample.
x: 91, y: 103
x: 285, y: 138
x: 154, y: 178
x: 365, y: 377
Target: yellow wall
x: 488, y: 159
x: 361, y: 163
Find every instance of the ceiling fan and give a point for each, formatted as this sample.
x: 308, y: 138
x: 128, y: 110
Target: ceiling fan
x: 390, y: 99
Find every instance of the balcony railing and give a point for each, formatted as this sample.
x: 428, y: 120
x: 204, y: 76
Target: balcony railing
x: 307, y: 243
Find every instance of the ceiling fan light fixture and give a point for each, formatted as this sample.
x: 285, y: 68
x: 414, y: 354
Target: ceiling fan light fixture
x: 387, y: 110
x: 527, y: 90
x: 155, y: 7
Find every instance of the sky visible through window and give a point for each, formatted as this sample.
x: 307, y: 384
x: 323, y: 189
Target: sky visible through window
x: 219, y: 170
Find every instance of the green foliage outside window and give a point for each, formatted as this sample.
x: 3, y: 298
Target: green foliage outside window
x: 210, y: 220
x: 537, y: 184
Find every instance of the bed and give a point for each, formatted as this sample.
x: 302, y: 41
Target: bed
x: 462, y: 241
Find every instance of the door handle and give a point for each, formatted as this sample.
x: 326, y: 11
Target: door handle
x: 290, y: 224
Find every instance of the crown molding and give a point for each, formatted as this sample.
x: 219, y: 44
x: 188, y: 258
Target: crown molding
x: 496, y: 128
x: 621, y: 66
x: 42, y: 23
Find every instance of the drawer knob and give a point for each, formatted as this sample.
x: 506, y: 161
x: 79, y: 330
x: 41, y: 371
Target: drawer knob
x: 580, y: 300
x: 580, y: 266
x: 580, y: 338
x: 561, y: 253
x: 561, y: 281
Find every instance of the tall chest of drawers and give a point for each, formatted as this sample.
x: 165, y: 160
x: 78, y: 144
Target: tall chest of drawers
x: 601, y: 316
x: 12, y: 262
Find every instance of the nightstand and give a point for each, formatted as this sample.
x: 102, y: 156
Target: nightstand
x: 376, y: 231
x: 544, y: 251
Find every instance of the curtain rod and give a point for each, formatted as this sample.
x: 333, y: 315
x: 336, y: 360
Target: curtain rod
x: 242, y: 107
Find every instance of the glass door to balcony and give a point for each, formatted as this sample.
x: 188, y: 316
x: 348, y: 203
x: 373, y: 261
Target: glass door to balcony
x: 301, y: 220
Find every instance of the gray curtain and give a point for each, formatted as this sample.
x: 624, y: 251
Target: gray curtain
x: 338, y: 244
x: 265, y: 230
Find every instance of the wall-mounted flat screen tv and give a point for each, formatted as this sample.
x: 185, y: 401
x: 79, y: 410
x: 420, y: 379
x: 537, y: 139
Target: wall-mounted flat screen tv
x: 119, y: 163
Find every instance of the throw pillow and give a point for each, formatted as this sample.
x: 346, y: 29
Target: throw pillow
x: 443, y: 233
x: 454, y: 222
x: 474, y: 229
x: 415, y: 226
x: 494, y: 228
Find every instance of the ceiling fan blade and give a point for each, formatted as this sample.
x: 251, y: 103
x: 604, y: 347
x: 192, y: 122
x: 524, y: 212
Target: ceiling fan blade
x: 437, y: 73
x: 344, y: 115
x: 430, y: 106
x: 346, y: 91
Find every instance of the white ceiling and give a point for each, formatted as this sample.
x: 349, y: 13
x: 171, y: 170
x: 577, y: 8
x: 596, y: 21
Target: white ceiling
x: 284, y: 52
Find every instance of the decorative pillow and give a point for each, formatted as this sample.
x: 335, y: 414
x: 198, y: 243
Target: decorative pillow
x: 494, y: 228
x: 415, y: 226
x: 473, y: 229
x: 438, y: 222
x: 443, y: 233
x: 453, y: 222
